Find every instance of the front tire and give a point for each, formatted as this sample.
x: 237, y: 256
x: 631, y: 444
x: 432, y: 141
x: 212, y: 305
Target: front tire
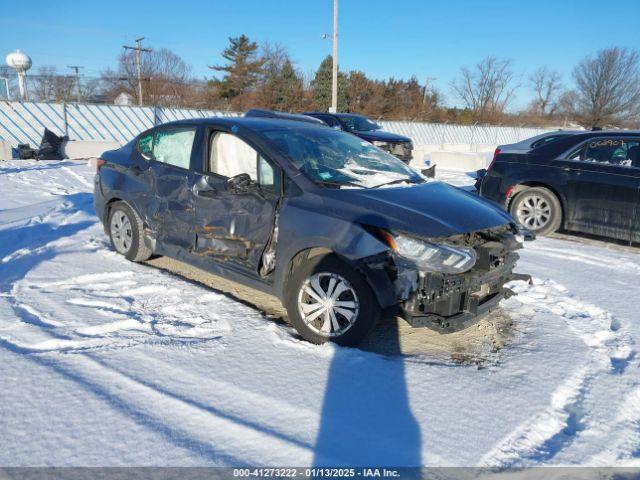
x: 328, y: 301
x: 125, y: 232
x: 538, y: 210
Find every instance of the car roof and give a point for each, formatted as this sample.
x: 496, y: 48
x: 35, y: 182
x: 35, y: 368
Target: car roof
x: 254, y: 123
x: 563, y: 144
x: 259, y: 112
x: 339, y: 115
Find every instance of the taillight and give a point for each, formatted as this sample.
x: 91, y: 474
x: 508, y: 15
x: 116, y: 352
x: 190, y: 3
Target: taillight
x: 99, y: 163
x: 495, y: 154
x: 508, y: 193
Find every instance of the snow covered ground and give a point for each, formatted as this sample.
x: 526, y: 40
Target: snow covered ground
x: 106, y: 362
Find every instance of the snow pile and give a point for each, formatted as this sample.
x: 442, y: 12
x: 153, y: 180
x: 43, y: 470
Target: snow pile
x: 106, y: 362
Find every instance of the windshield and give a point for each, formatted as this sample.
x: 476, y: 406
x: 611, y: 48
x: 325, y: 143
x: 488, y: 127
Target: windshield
x: 357, y: 123
x: 340, y: 160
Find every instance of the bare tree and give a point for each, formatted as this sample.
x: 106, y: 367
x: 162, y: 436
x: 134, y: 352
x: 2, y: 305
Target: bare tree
x: 48, y: 85
x: 607, y: 88
x: 165, y: 78
x: 546, y: 85
x: 273, y: 57
x: 487, y: 89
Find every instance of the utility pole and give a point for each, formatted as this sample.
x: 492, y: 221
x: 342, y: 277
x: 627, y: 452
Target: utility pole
x: 426, y: 89
x: 334, y: 77
x: 138, y: 49
x: 77, y: 68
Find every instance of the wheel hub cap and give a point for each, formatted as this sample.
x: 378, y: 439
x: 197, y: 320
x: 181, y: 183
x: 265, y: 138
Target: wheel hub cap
x: 534, y: 212
x: 121, y: 232
x: 328, y: 304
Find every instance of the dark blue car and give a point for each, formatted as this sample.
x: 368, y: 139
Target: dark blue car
x: 359, y: 125
x: 337, y: 228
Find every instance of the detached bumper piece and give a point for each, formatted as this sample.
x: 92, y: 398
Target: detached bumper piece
x: 449, y: 303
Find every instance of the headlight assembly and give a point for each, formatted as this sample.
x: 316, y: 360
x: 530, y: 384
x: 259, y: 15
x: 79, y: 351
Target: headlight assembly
x: 434, y: 257
x: 379, y: 143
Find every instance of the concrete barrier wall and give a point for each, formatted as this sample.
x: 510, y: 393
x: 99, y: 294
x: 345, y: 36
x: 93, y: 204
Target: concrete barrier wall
x: 5, y: 150
x: 75, y: 149
x: 453, y: 157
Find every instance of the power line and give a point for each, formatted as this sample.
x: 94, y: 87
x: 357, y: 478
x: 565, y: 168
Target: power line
x: 138, y: 49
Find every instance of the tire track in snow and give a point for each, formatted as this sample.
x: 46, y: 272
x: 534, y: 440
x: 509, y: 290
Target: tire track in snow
x: 623, y: 435
x: 542, y: 437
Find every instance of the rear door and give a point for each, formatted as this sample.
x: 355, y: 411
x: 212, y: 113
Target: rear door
x: 173, y: 181
x: 139, y: 183
x: 602, y: 186
x: 234, y: 226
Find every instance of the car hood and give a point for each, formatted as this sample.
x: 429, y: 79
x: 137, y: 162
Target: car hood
x: 380, y: 135
x: 432, y: 209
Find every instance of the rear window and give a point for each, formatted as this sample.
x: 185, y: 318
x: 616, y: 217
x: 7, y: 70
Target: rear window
x: 547, y: 140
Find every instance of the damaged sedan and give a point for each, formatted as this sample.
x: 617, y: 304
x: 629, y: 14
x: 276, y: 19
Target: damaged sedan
x: 335, y: 227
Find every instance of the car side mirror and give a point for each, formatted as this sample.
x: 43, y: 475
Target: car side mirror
x: 240, y: 183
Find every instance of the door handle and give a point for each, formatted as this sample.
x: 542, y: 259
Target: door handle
x: 573, y: 171
x: 207, y: 193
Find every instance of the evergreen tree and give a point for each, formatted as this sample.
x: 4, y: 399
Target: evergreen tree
x: 242, y: 70
x: 286, y: 88
x: 321, y: 86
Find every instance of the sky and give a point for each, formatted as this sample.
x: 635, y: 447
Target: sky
x: 401, y: 38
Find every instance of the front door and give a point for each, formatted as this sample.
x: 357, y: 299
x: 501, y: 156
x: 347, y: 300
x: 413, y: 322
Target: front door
x: 602, y: 180
x: 235, y: 225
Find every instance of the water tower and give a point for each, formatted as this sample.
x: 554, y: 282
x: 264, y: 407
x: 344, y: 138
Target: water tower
x: 20, y: 62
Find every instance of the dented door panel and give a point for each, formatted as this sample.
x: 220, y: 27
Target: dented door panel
x: 174, y: 212
x: 231, y: 227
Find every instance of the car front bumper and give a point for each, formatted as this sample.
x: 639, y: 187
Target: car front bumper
x: 449, y: 303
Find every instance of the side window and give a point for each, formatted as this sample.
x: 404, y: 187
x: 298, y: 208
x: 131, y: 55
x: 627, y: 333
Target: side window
x: 145, y: 146
x: 174, y: 147
x: 229, y: 156
x: 609, y: 151
x: 266, y: 175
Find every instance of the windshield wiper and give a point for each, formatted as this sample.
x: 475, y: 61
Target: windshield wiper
x: 340, y: 183
x: 399, y: 180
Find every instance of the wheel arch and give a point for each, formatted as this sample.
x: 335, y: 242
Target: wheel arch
x: 377, y: 279
x: 521, y: 186
x: 109, y: 204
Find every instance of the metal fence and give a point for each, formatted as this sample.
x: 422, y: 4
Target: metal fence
x: 24, y: 122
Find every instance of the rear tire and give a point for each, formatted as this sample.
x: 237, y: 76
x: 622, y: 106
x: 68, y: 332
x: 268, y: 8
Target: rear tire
x: 538, y: 210
x: 125, y: 232
x: 328, y: 301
